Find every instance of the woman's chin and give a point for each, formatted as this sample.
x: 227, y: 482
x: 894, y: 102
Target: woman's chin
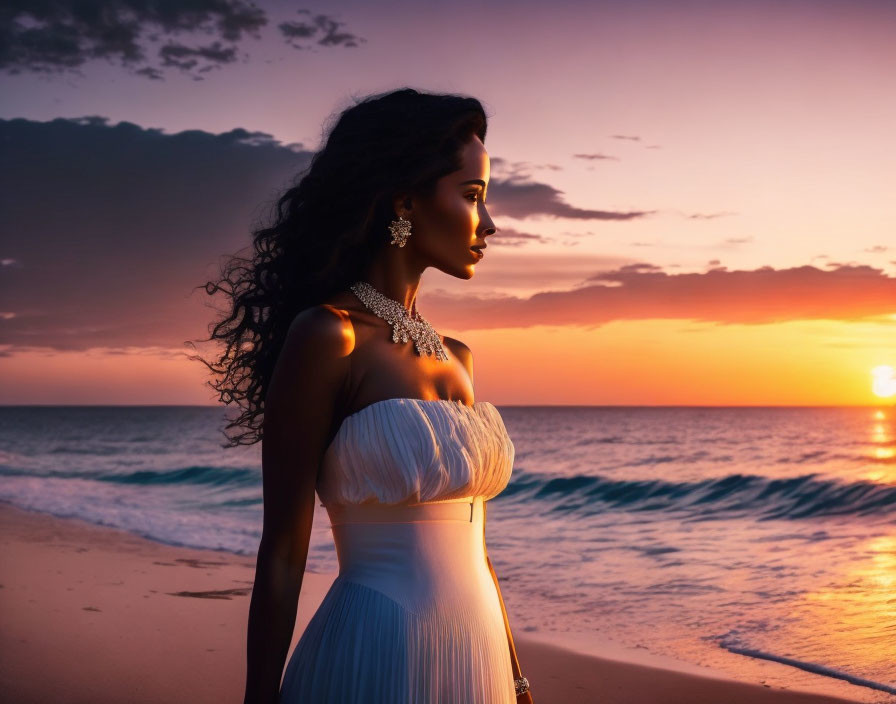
x: 467, y: 272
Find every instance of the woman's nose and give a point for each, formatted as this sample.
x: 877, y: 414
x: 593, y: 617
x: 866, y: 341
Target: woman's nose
x: 488, y: 225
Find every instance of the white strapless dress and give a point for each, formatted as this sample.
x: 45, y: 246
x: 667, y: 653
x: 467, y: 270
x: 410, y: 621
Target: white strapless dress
x: 413, y: 617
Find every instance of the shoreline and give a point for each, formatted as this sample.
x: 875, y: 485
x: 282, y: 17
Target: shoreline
x: 94, y: 613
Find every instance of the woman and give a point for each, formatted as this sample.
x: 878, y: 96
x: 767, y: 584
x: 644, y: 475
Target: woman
x: 366, y: 404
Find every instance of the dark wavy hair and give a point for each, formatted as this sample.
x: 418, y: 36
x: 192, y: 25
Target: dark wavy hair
x: 325, y: 230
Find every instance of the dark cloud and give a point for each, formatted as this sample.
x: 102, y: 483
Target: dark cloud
x: 516, y: 195
x: 506, y: 170
x: 151, y: 73
x: 108, y: 227
x: 323, y: 28
x: 53, y: 37
x: 520, y: 199
x: 187, y: 58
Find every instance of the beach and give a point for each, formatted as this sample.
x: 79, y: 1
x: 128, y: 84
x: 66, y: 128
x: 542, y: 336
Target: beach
x: 97, y: 614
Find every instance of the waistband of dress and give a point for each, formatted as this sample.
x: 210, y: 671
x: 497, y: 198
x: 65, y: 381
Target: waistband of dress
x: 467, y: 511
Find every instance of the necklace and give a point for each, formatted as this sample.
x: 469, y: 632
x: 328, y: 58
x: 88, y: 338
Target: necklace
x: 405, y: 325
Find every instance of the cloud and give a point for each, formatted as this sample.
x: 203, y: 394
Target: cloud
x: 63, y: 35
x: 521, y: 199
x: 508, y: 237
x: 512, y: 192
x: 507, y: 170
x: 115, y: 224
x: 323, y: 27
x: 709, y: 216
x: 642, y: 291
x: 593, y: 157
x: 187, y: 58
x: 634, y: 139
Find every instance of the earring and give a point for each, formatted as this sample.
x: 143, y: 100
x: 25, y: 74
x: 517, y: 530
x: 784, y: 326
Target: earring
x: 401, y: 230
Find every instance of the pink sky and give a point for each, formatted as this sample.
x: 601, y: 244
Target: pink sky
x: 714, y: 136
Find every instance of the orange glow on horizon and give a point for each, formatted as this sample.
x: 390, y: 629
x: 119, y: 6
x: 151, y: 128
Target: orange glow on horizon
x: 633, y: 362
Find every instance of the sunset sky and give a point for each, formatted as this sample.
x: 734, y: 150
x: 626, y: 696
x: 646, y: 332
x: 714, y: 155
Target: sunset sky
x: 695, y: 198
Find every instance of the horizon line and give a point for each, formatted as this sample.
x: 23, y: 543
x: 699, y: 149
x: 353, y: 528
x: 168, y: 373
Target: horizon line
x: 503, y: 405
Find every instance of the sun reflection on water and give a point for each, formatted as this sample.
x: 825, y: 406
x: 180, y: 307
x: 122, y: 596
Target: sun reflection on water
x: 881, y: 449
x: 846, y: 614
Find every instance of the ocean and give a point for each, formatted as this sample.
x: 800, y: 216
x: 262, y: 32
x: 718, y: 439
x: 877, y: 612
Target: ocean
x: 730, y: 537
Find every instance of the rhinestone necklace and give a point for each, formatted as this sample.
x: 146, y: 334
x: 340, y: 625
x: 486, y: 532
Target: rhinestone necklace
x: 404, y: 324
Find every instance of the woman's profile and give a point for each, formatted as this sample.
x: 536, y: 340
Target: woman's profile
x: 357, y: 398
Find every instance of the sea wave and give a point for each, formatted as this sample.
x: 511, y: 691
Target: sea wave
x: 734, y: 495
x: 236, y: 477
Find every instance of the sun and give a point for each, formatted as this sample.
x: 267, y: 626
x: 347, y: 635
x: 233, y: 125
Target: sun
x: 884, y: 381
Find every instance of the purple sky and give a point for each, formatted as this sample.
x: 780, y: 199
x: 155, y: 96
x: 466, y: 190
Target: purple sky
x: 686, y: 136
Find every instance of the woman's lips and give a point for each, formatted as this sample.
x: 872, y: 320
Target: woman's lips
x: 479, y: 254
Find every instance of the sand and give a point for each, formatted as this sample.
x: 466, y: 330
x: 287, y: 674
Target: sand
x: 95, y: 614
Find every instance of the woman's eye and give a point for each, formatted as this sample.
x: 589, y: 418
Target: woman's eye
x: 475, y: 196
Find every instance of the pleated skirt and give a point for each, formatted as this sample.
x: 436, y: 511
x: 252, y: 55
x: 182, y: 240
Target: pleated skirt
x: 413, y: 616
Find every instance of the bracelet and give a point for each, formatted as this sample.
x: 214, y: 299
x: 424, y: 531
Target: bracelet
x: 521, y: 684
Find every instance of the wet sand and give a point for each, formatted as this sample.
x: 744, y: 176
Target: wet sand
x: 96, y: 614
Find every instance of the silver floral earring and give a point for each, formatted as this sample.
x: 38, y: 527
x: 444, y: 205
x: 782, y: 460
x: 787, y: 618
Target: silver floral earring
x: 401, y: 230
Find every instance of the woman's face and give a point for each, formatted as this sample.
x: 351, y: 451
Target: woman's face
x: 454, y: 218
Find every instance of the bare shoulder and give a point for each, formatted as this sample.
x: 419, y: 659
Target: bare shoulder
x: 346, y: 305
x: 461, y: 351
x: 320, y: 330
x: 343, y: 300
x: 457, y: 347
x: 315, y: 353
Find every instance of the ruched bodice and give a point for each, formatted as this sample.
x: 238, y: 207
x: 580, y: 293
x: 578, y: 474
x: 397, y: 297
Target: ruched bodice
x: 409, y: 450
x: 413, y: 617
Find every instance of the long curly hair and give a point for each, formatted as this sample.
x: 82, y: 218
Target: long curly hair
x: 325, y: 229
